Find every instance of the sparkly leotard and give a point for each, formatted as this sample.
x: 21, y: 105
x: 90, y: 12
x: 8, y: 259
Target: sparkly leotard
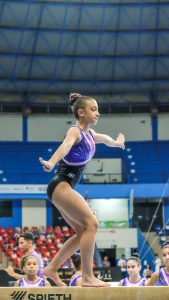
x: 74, y: 279
x: 127, y: 282
x: 24, y: 283
x: 80, y: 154
x: 71, y: 167
x: 163, y: 278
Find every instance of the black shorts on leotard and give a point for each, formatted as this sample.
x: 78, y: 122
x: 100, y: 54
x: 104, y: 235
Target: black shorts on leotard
x: 65, y: 173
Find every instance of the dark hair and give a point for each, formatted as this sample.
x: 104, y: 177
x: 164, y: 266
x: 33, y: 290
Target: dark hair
x: 135, y: 258
x: 76, y: 258
x: 27, y: 236
x: 24, y: 260
x: 135, y: 254
x: 77, y: 101
x: 165, y: 244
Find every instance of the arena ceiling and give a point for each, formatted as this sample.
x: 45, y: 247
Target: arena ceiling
x: 117, y: 51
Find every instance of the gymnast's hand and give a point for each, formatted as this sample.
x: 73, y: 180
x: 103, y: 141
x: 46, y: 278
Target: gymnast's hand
x: 47, y: 165
x: 121, y: 140
x: 10, y: 271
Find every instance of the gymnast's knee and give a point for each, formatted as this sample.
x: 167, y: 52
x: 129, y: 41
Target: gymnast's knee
x: 92, y: 224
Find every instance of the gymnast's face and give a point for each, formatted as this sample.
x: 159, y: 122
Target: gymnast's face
x: 165, y: 256
x: 90, y: 113
x: 31, y: 266
x: 133, y: 268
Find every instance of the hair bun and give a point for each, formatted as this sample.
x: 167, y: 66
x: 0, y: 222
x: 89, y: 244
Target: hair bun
x: 166, y: 244
x: 73, y: 97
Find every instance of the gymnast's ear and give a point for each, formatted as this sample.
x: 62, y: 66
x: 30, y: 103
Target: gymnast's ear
x: 80, y: 112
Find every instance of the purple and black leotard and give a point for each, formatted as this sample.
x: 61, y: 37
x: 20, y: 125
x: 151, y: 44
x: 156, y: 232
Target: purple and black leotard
x: 71, y: 167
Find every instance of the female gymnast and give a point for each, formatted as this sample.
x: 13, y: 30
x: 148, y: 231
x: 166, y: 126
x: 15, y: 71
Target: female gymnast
x: 30, y: 265
x: 161, y: 277
x: 133, y: 269
x: 76, y: 279
x: 76, y: 150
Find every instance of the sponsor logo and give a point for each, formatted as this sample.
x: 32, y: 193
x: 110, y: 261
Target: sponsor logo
x: 71, y: 175
x: 49, y: 297
x: 18, y: 295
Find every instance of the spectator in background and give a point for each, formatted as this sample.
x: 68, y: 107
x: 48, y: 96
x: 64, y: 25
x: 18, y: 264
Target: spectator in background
x: 106, y: 262
x: 67, y: 264
x: 17, y: 233
x: 30, y: 265
x: 147, y: 272
x: 122, y: 263
x: 157, y: 262
x: 97, y: 258
x: 26, y: 241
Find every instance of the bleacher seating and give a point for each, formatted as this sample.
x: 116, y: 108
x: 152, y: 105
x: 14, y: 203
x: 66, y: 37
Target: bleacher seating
x: 19, y: 163
x: 147, y: 162
x: 143, y: 162
x: 47, y: 244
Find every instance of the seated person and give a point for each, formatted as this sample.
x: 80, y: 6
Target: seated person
x: 133, y: 269
x: 26, y: 244
x: 106, y: 262
x: 147, y: 272
x: 161, y: 276
x: 30, y: 266
x: 77, y: 277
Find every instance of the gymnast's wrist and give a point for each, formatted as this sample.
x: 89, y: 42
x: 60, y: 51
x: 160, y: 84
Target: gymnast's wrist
x: 52, y: 163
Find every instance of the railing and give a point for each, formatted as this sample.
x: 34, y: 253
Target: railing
x: 109, y: 178
x: 44, y: 178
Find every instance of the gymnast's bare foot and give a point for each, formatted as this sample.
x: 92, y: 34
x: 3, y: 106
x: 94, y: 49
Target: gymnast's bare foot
x: 93, y: 282
x: 49, y: 272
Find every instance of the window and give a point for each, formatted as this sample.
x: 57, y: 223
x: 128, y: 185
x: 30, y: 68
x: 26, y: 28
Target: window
x: 5, y: 208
